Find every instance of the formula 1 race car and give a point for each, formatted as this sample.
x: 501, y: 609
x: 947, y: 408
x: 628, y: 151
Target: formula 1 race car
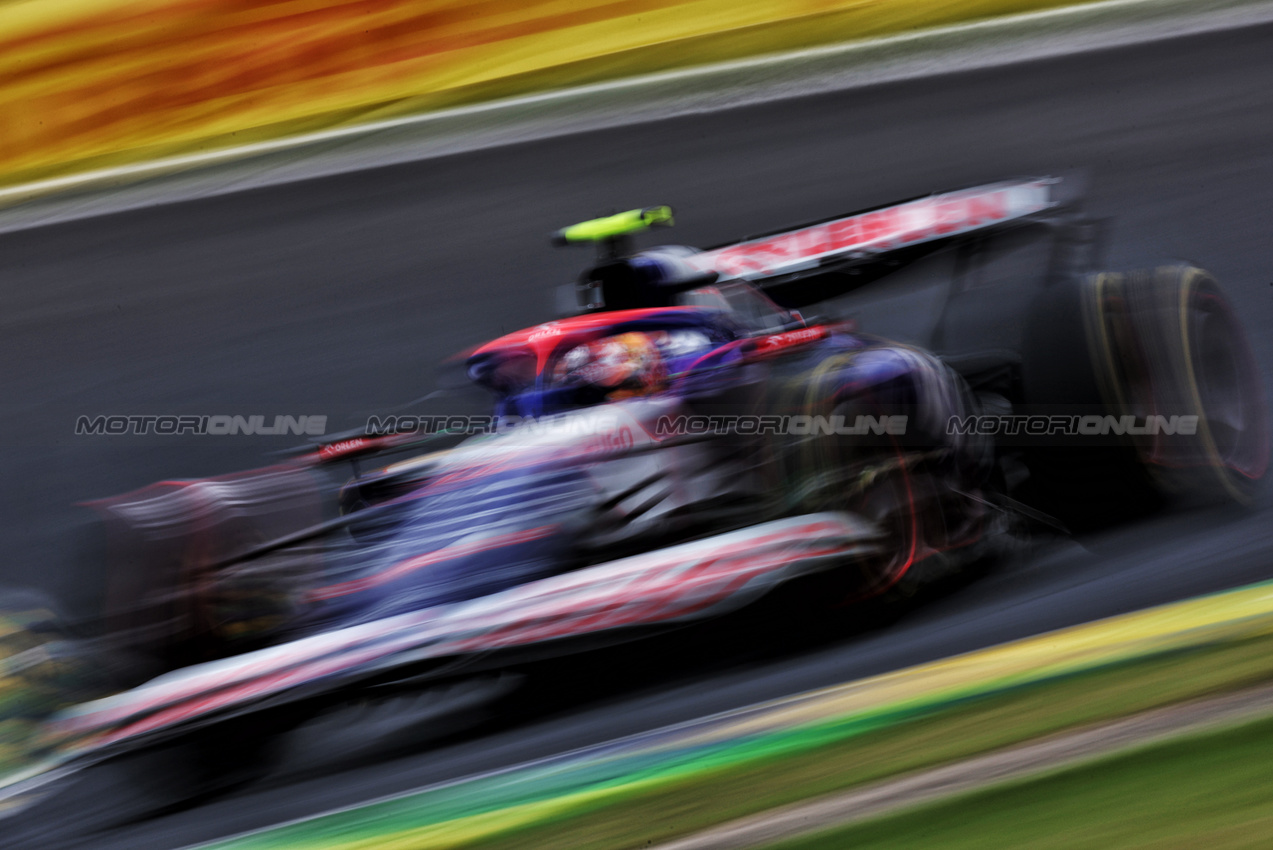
x: 691, y: 442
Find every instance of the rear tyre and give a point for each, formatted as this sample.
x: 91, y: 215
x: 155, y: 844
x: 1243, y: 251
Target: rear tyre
x: 1184, y: 354
x: 1164, y: 347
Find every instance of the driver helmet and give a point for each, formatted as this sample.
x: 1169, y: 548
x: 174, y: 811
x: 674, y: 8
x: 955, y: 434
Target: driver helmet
x: 621, y: 366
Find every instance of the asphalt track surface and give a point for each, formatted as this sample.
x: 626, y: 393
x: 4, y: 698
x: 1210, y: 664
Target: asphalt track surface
x: 338, y: 296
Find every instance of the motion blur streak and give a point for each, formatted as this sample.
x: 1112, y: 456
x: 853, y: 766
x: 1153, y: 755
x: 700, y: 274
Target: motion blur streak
x: 88, y: 79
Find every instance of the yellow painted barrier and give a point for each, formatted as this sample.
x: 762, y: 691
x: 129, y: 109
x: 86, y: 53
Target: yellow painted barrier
x: 92, y: 83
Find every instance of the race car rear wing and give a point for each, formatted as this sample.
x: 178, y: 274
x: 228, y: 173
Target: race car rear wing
x: 861, y: 237
x: 801, y: 265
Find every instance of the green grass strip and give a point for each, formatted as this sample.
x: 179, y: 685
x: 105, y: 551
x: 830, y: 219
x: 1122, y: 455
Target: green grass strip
x: 961, y: 731
x: 665, y: 795
x: 1208, y: 790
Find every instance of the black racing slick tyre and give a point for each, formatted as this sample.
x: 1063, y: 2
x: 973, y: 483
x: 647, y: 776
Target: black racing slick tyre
x: 1157, y: 366
x: 1171, y: 346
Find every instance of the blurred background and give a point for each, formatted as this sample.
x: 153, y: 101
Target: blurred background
x: 95, y: 83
